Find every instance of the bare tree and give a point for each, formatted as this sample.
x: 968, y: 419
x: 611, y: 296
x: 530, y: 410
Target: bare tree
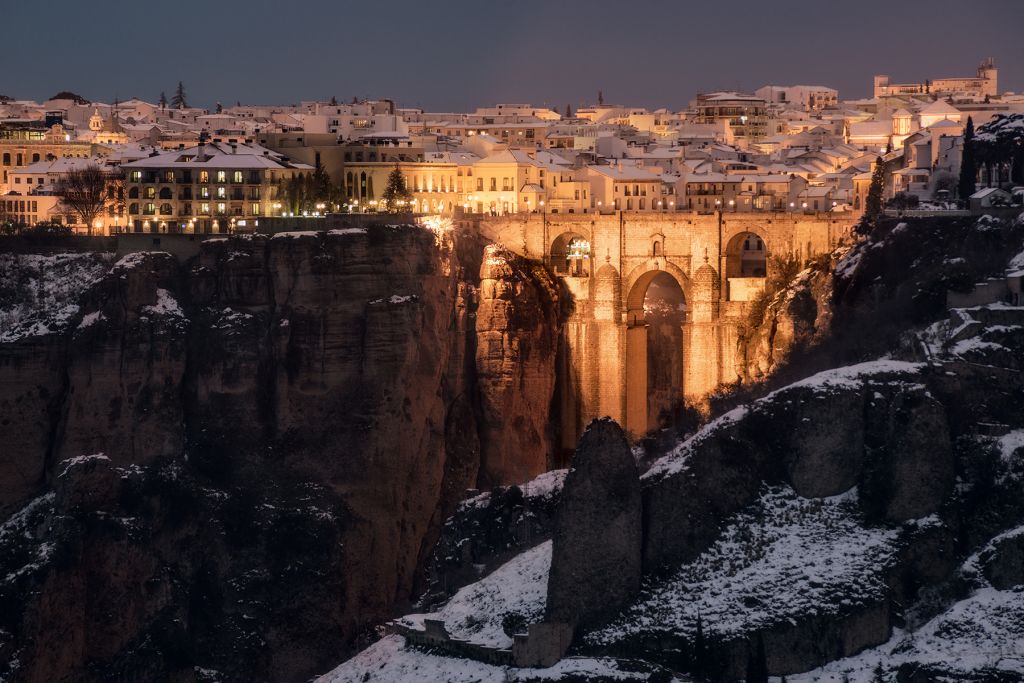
x: 84, y: 191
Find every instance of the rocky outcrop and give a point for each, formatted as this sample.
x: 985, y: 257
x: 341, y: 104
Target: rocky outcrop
x: 909, y: 458
x: 789, y: 314
x: 517, y: 327
x: 873, y: 425
x: 595, y: 561
x: 1003, y: 562
x: 305, y: 402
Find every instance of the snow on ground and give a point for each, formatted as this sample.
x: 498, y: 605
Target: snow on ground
x: 1010, y: 443
x: 294, y: 234
x: 985, y: 630
x: 165, y: 304
x: 475, y: 613
x: 39, y: 293
x: 390, y: 661
x: 71, y: 463
x: 787, y: 557
x: 135, y: 259
x: 848, y: 377
x: 541, y: 486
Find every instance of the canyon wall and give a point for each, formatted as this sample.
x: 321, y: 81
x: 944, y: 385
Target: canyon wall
x: 253, y: 452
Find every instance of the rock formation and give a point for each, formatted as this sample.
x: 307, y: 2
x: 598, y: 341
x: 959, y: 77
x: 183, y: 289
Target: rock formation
x: 595, y: 561
x: 517, y: 337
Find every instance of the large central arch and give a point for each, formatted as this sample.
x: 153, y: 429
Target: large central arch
x: 638, y: 411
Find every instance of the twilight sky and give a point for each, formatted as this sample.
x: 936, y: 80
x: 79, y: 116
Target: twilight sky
x: 459, y: 54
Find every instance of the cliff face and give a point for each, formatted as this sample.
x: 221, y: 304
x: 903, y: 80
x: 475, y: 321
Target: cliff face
x: 517, y: 339
x: 273, y: 435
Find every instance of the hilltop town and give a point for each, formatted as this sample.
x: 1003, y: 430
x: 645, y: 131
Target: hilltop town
x: 174, y: 168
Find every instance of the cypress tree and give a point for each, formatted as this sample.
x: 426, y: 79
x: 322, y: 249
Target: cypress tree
x: 873, y: 202
x: 757, y: 663
x: 699, y: 667
x: 968, y: 164
x: 179, y: 101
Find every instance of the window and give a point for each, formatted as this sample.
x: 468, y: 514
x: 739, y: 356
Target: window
x: 222, y: 176
x: 204, y: 176
x: 222, y: 208
x: 150, y: 192
x: 169, y: 176
x: 494, y: 184
x: 204, y: 208
x: 237, y: 176
x: 479, y: 184
x: 204, y: 193
x: 150, y: 209
x: 222, y: 192
x: 255, y: 208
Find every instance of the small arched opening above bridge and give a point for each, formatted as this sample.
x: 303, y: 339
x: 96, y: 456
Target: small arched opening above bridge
x: 746, y: 266
x: 569, y: 255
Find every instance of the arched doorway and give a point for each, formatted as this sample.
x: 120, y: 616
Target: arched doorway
x: 656, y: 311
x: 570, y: 255
x: 746, y: 266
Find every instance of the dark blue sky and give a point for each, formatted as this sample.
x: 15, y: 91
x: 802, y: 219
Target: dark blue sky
x: 459, y: 54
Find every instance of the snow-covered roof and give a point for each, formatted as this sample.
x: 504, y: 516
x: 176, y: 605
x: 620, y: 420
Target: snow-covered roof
x: 213, y: 155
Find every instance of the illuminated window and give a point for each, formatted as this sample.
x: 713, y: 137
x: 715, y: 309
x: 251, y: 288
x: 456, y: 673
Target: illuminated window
x: 222, y: 176
x: 256, y: 209
x: 237, y: 177
x: 204, y: 192
x: 204, y: 208
x: 222, y: 192
x: 221, y: 208
x: 204, y: 176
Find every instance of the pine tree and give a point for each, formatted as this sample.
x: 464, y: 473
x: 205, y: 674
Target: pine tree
x: 879, y: 674
x: 396, y: 190
x: 600, y: 97
x: 568, y: 111
x: 163, y: 100
x: 757, y: 663
x: 179, y: 101
x: 968, y: 164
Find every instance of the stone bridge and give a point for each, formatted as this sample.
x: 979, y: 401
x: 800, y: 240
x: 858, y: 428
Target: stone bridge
x: 608, y: 261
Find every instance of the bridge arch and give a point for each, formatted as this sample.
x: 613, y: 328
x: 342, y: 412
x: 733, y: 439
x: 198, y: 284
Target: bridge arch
x: 639, y: 279
x: 746, y: 255
x: 654, y: 344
